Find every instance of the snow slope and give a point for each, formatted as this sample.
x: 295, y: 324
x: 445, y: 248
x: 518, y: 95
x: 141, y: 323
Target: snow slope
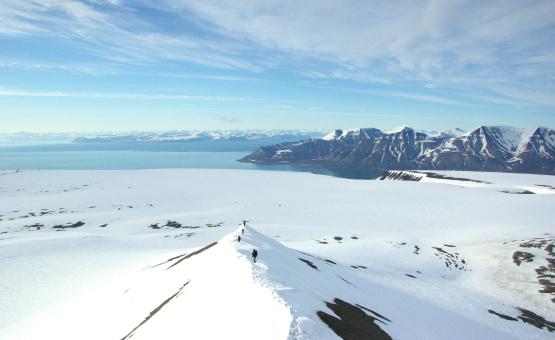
x: 433, y: 260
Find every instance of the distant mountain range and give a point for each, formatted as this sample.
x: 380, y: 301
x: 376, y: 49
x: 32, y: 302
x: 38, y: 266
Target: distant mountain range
x: 21, y: 138
x: 487, y: 148
x: 198, y: 136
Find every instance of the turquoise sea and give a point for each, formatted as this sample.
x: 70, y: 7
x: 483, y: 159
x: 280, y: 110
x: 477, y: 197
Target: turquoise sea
x: 155, y: 155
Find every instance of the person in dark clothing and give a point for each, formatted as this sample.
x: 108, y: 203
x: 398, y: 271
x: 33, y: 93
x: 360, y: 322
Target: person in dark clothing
x: 254, y: 255
x: 243, y: 231
x: 239, y: 238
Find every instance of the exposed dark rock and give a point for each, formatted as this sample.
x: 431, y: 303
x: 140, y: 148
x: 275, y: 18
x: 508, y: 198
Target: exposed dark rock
x: 522, y: 256
x: 535, y: 320
x: 352, y: 323
x: 536, y: 243
x: 173, y: 224
x: 549, y: 249
x: 502, y: 316
x: 545, y: 186
x: 518, y: 192
x: 36, y: 226
x: 307, y: 254
x: 196, y: 252
x: 383, y: 318
x: 346, y: 281
x: 169, y: 260
x: 546, y: 276
x: 69, y: 225
x: 451, y: 260
x: 439, y: 176
x: 154, y: 311
x: 180, y: 235
x: 400, y: 176
x: 176, y: 225
x: 310, y: 264
x: 357, y: 267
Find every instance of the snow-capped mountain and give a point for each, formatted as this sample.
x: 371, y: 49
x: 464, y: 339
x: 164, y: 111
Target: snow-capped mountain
x: 487, y: 148
x: 198, y: 136
x: 456, y: 132
x: 22, y: 138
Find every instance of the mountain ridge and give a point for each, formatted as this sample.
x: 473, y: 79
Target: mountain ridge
x: 196, y: 136
x: 486, y: 148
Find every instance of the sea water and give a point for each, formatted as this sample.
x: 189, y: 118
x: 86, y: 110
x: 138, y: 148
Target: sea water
x: 151, y: 155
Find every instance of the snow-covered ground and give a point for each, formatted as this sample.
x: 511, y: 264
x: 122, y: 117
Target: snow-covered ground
x: 506, y: 182
x: 115, y: 254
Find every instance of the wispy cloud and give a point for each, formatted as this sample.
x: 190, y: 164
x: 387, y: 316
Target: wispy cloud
x: 425, y: 98
x: 448, y: 43
x: 204, y: 76
x: 228, y: 119
x: 117, y: 95
x: 361, y: 77
x: 116, y: 33
x: 506, y: 48
x: 418, y: 97
x: 281, y: 106
x: 92, y: 69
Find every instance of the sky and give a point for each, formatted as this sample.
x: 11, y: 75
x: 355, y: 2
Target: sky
x: 122, y: 65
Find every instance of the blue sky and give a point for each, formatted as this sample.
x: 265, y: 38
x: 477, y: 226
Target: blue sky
x: 118, y: 65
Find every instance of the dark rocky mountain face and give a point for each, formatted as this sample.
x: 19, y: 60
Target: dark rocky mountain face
x: 488, y: 148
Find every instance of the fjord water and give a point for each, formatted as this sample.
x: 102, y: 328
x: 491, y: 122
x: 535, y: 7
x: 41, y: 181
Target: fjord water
x: 153, y: 155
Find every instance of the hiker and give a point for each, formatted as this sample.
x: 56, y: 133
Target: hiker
x: 243, y: 231
x: 254, y: 255
x: 239, y: 238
